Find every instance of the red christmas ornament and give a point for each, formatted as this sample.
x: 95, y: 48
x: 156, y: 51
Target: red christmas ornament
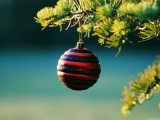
x: 78, y: 68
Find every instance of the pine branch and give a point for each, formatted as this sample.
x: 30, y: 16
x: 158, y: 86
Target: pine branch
x: 149, y: 30
x: 142, y: 88
x: 126, y: 16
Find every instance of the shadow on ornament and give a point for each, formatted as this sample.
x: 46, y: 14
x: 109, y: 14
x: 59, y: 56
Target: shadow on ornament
x: 78, y: 68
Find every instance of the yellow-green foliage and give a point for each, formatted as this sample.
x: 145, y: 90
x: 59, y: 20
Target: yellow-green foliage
x: 112, y: 32
x: 142, y: 9
x: 102, y: 28
x: 143, y: 87
x: 88, y: 5
x: 45, y: 13
x: 149, y: 30
x: 63, y: 6
x: 104, y: 11
x: 86, y: 28
x: 128, y: 100
x: 54, y: 16
x: 45, y: 16
x: 120, y: 27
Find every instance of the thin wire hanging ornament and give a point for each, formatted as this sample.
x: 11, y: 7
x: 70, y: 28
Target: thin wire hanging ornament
x: 80, y: 33
x: 80, y: 43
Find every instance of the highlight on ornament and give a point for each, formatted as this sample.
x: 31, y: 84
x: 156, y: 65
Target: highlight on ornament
x: 78, y: 68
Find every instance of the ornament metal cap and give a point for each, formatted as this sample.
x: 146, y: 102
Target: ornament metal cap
x: 80, y: 45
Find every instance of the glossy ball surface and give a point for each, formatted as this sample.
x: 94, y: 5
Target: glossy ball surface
x: 78, y: 69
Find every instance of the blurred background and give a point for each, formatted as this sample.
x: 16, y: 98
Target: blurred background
x: 30, y: 88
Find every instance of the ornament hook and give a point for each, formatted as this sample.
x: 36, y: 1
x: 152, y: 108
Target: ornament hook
x: 80, y: 43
